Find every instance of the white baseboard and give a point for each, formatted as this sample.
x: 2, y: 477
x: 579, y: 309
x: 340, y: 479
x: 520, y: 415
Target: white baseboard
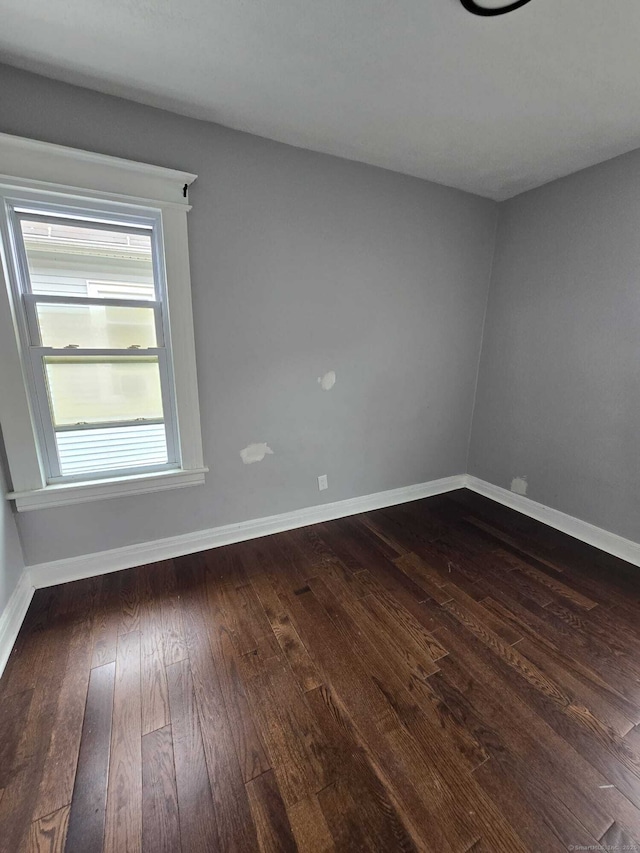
x: 13, y: 615
x: 102, y: 562
x: 626, y: 549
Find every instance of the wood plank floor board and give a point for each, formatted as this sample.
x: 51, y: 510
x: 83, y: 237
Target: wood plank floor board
x: 406, y: 691
x: 378, y: 810
x: 485, y: 688
x: 33, y: 652
x: 528, y: 587
x: 588, y: 694
x: 50, y: 651
x: 375, y: 523
x: 49, y: 834
x: 59, y: 771
x: 450, y: 566
x: 409, y: 529
x: 88, y: 804
x: 416, y: 657
x: 107, y: 619
x: 398, y: 757
x: 174, y: 647
x: 335, y: 544
x: 617, y: 838
x: 230, y: 799
x: 606, y: 628
x: 23, y: 663
x: 318, y: 555
x: 511, y: 739
x: 394, y: 773
x: 542, y: 825
x: 557, y: 589
x: 575, y: 723
x: 270, y: 817
x: 366, y: 538
x: 14, y: 710
x: 569, y: 560
x: 398, y: 591
x: 56, y: 786
x: 303, y: 542
x: 198, y: 826
x: 250, y: 750
x: 556, y: 635
x: 130, y: 593
x: 123, y: 820
x: 160, y: 820
x: 296, y: 654
x: 504, y: 531
x: 444, y: 675
x: 463, y: 537
x: 303, y: 766
x: 154, y: 692
x: 419, y: 572
x: 557, y: 627
x: 450, y: 764
x: 309, y: 826
x: 344, y: 818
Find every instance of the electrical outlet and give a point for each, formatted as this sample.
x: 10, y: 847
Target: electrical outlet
x: 323, y: 483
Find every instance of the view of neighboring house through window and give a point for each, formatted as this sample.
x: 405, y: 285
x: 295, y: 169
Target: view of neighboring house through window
x: 93, y: 296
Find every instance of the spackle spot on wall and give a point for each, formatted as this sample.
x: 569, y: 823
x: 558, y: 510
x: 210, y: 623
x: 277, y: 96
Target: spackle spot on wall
x: 519, y: 485
x: 255, y: 452
x: 327, y: 381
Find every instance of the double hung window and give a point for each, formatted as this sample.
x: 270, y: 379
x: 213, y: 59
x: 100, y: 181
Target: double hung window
x: 91, y: 296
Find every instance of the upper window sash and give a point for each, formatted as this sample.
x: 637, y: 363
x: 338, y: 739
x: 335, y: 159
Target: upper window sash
x: 130, y: 220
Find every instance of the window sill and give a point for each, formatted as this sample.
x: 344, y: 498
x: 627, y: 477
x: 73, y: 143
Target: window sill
x: 65, y: 494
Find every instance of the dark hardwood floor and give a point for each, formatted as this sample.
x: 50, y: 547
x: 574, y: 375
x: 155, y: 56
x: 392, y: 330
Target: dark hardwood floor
x: 444, y: 675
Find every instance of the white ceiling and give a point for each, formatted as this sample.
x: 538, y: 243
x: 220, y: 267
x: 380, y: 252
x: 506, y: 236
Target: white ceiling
x: 492, y: 105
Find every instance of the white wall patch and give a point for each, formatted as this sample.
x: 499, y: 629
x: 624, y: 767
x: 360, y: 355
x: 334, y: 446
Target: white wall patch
x: 255, y: 452
x: 327, y: 381
x: 519, y: 485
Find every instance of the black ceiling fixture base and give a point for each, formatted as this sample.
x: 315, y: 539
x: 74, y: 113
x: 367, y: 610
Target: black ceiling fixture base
x: 475, y: 9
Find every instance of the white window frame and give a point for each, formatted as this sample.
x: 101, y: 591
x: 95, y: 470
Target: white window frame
x: 156, y: 198
x: 139, y: 221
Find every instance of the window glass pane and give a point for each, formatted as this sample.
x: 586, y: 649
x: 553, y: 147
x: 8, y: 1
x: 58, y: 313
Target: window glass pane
x: 82, y: 451
x: 71, y: 259
x: 103, y: 390
x: 101, y: 326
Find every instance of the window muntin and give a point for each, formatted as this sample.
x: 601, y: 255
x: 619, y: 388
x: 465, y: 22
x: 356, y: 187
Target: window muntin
x: 93, y: 300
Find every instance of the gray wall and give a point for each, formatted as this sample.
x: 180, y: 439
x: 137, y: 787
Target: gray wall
x: 559, y: 390
x: 11, y: 559
x: 301, y: 263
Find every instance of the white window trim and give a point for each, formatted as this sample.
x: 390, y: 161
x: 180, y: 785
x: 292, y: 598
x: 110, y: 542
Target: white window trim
x: 86, y: 178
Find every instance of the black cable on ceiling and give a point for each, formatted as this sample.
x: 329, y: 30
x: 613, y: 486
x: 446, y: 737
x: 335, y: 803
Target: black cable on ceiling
x: 475, y: 9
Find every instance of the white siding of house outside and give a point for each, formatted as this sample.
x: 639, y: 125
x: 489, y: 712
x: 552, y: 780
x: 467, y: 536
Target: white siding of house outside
x: 112, y: 448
